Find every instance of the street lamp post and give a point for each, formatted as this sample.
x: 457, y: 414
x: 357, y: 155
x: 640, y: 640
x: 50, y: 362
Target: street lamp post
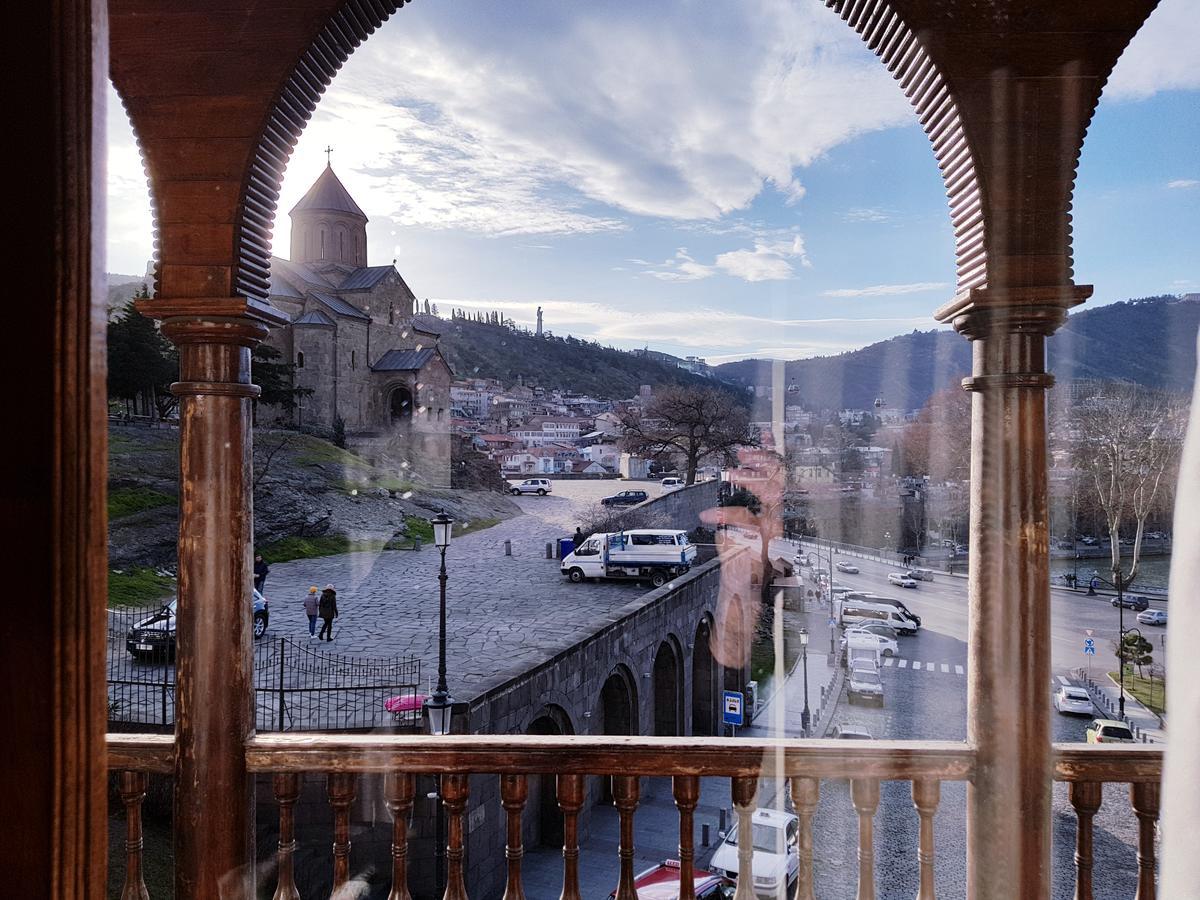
x: 440, y: 705
x: 805, y: 716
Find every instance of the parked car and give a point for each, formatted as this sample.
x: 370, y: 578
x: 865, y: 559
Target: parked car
x: 625, y: 498
x: 1131, y: 601
x: 1152, y: 617
x: 776, y: 854
x: 661, y: 882
x: 884, y: 645
x: 1155, y: 535
x: 850, y: 733
x: 921, y: 574
x: 1088, y: 541
x: 670, y: 483
x: 1109, y: 731
x: 901, y: 579
x: 847, y: 568
x: 539, y: 486
x: 864, y: 683
x: 1073, y: 700
x: 154, y: 636
x: 878, y: 628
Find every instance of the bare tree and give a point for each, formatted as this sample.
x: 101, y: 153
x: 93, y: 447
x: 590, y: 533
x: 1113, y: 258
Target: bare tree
x: 693, y: 422
x: 266, y: 447
x: 1127, y: 442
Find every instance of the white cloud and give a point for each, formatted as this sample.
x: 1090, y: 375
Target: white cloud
x: 887, y: 290
x: 866, y: 214
x: 1183, y: 183
x: 768, y: 261
x: 1162, y: 56
x: 714, y: 333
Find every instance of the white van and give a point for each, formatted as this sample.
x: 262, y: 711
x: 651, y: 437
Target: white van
x: 855, y: 612
x: 655, y: 555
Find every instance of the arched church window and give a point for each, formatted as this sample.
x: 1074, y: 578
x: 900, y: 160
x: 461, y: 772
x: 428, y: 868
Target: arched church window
x: 391, y: 313
x: 353, y: 359
x: 300, y: 360
x: 341, y: 244
x: 400, y: 404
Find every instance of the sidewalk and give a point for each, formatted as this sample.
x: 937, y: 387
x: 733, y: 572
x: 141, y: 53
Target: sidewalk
x: 781, y: 713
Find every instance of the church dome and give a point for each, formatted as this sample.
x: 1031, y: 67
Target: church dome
x: 328, y: 226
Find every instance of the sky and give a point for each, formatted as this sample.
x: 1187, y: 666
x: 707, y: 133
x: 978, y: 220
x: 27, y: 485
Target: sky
x: 716, y: 180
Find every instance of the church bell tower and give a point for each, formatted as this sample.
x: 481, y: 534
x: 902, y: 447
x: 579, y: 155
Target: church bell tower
x: 328, y: 226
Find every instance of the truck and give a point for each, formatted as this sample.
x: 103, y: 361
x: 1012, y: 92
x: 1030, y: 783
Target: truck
x: 640, y: 554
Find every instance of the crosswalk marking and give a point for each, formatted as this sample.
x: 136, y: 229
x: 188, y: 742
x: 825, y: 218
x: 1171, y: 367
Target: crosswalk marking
x: 903, y: 663
x: 945, y: 668
x: 887, y: 660
x: 958, y: 670
x: 1063, y: 680
x: 930, y: 666
x: 916, y: 665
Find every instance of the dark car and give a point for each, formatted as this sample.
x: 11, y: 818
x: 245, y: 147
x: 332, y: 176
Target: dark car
x: 626, y: 498
x: 1132, y: 602
x: 154, y: 636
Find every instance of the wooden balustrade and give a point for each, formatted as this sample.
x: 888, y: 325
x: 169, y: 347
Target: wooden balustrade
x: 926, y: 764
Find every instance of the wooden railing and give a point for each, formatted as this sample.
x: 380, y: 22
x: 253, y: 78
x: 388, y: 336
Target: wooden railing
x: 926, y: 764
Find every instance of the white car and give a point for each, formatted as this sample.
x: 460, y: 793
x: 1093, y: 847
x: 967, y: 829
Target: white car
x: 539, y: 486
x: 885, y: 646
x: 864, y: 683
x: 671, y: 483
x: 902, y: 579
x: 1152, y: 617
x: 776, y: 855
x: 1073, y: 700
x: 848, y: 568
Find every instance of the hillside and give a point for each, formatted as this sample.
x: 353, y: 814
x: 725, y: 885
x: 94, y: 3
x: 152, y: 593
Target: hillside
x: 1151, y: 341
x: 483, y: 350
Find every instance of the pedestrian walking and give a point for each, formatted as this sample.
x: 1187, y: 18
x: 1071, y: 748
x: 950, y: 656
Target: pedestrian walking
x: 327, y: 610
x: 260, y: 573
x: 311, y: 605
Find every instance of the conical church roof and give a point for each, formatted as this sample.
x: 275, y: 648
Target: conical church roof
x: 328, y: 193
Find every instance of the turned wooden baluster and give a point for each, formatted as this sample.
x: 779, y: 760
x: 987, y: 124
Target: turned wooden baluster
x: 926, y: 795
x: 865, y: 794
x: 340, y: 787
x: 398, y: 792
x: 626, y: 791
x: 1085, y: 797
x: 686, y: 789
x: 455, y: 791
x: 1144, y: 797
x: 745, y: 793
x: 514, y: 791
x: 133, y: 792
x: 806, y: 792
x: 287, y: 792
x: 570, y: 801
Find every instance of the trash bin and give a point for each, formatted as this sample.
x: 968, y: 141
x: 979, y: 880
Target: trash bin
x: 565, y: 547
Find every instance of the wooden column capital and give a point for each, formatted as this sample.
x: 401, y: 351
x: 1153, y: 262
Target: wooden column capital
x: 984, y: 312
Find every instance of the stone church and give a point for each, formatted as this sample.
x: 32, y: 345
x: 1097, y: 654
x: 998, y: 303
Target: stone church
x: 356, y: 342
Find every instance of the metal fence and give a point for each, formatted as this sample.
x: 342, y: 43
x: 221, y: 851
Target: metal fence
x: 296, y: 687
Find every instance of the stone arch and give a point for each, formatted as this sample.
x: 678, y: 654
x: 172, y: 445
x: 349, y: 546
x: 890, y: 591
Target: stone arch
x: 542, y: 823
x: 704, y: 680
x: 667, y: 681
x: 618, y: 712
x: 400, y: 404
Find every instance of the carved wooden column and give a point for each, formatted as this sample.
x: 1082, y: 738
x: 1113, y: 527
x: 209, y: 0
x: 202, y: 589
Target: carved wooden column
x: 455, y: 792
x: 1085, y: 797
x: 132, y: 786
x: 570, y: 801
x: 686, y: 789
x: 744, y: 792
x: 626, y: 790
x: 514, y: 791
x: 214, y: 694
x: 286, y: 786
x: 806, y: 794
x: 399, y: 789
x: 1008, y: 708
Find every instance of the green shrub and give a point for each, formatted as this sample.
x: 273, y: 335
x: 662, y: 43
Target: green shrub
x: 416, y: 527
x: 129, y: 500
x: 308, y: 547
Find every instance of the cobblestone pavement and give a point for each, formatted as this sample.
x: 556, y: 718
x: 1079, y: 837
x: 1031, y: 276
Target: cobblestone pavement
x: 504, y: 613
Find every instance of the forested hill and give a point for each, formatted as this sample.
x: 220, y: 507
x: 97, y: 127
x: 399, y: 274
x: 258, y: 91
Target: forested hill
x: 1150, y: 341
x: 487, y: 350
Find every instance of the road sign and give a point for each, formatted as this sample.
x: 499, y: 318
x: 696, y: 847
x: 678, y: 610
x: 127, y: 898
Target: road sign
x: 733, y: 708
x: 1088, y: 631
x: 1089, y: 643
x: 1089, y: 651
x: 832, y: 621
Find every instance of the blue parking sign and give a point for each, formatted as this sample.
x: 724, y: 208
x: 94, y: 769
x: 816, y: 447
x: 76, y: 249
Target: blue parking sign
x: 732, y: 707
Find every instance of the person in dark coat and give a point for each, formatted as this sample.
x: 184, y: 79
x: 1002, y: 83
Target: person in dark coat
x: 579, y: 538
x: 260, y: 573
x: 327, y: 610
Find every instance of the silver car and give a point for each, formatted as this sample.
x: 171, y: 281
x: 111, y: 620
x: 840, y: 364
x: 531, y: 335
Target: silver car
x: 1152, y: 617
x: 1073, y: 701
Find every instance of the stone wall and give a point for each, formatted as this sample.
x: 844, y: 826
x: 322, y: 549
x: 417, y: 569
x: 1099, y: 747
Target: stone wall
x: 680, y: 508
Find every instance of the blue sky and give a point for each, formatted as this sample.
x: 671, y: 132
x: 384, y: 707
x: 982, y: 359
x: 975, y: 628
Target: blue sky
x: 716, y: 180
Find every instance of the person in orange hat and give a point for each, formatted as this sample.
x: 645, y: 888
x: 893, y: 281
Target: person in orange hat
x: 310, y: 609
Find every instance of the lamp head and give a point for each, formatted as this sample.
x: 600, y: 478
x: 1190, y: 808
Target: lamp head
x: 442, y: 525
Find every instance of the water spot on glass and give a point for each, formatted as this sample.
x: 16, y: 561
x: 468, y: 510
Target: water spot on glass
x: 353, y: 492
x: 406, y: 495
